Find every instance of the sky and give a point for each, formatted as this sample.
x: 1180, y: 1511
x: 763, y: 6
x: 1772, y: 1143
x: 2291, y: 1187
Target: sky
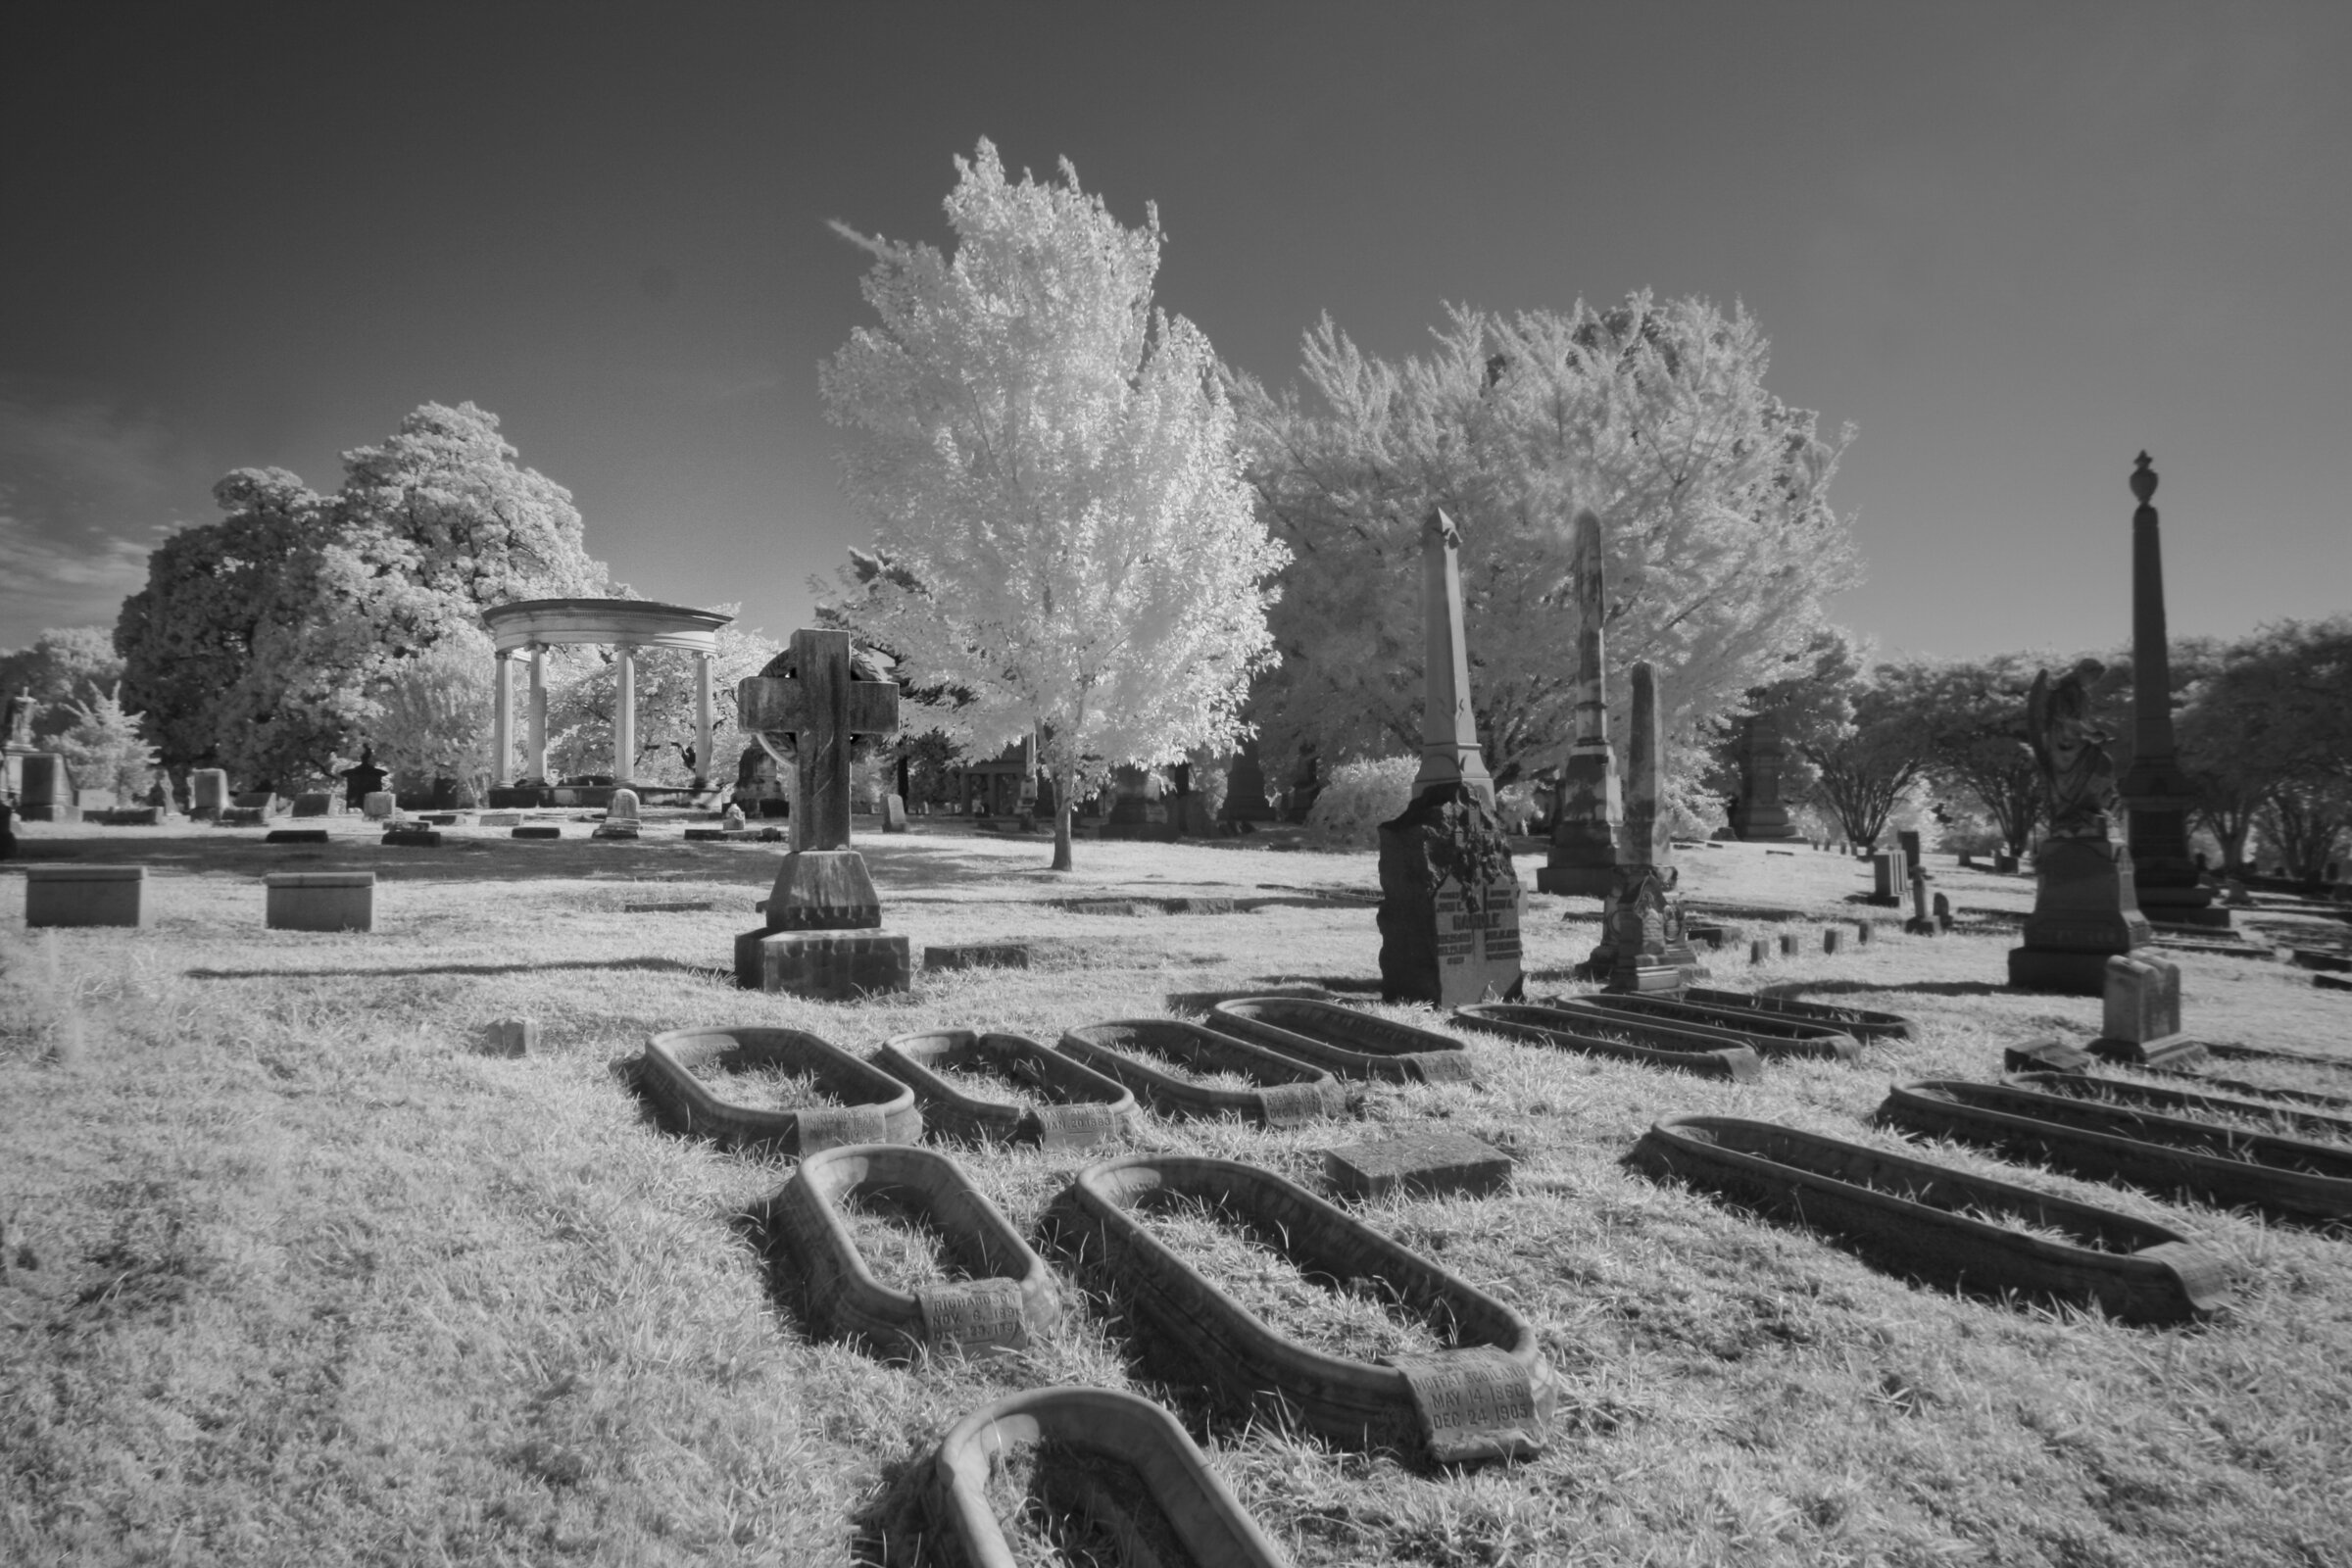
x: 2012, y: 244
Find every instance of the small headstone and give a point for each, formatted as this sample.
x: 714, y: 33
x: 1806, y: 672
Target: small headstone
x: 1865, y: 933
x: 2234, y: 895
x: 1425, y: 1164
x: 239, y: 817
x: 1890, y: 880
x: 508, y: 1036
x: 547, y: 831
x: 2005, y: 863
x: 1968, y: 860
x: 1758, y: 951
x: 208, y: 793
x: 1923, y: 921
x: 731, y: 820
x: 1791, y: 944
x: 1944, y: 912
x: 1907, y: 840
x: 894, y: 814
x: 2142, y: 1020
x: 624, y: 828
x: 378, y: 806
x: 978, y: 955
x: 1833, y: 938
x: 315, y: 803
x: 622, y: 808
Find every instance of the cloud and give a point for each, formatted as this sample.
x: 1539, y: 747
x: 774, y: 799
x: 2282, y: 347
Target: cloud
x: 86, y: 491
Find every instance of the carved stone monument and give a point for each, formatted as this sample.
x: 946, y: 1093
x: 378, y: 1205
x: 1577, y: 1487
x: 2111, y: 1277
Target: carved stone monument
x: 2154, y: 791
x: 2085, y: 908
x: 1642, y: 945
x: 1449, y: 894
x: 822, y: 937
x: 1759, y: 814
x: 1588, y: 815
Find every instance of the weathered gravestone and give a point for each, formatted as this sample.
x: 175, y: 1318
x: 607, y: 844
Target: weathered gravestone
x: 1588, y: 815
x: 2085, y: 907
x: 2158, y: 794
x: 894, y: 813
x: 1757, y: 813
x: 2142, y: 1020
x: 378, y: 806
x: 621, y: 817
x: 313, y: 803
x: 45, y: 789
x: 1448, y: 895
x: 1944, y: 912
x: 1890, y: 879
x: 1423, y: 1165
x: 320, y: 901
x: 1922, y: 924
x: 85, y: 895
x: 822, y: 936
x: 1642, y: 947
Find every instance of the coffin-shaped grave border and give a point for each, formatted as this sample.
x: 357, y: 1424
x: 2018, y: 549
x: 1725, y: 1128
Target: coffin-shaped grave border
x: 1860, y: 1022
x: 1344, y: 1041
x: 1784, y: 1037
x: 1208, y: 1521
x: 1593, y: 1035
x: 1490, y: 1397
x: 876, y: 1107
x: 1008, y: 1299
x: 1288, y: 1092
x: 2184, y: 1102
x: 2291, y: 1178
x: 1908, y: 1215
x: 1083, y: 1107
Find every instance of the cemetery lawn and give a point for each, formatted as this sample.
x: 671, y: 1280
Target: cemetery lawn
x: 291, y: 1273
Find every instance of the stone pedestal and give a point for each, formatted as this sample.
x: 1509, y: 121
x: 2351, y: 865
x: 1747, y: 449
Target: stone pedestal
x: 45, y: 791
x: 1587, y: 817
x: 1423, y: 1165
x: 822, y: 936
x: 85, y: 895
x: 1890, y: 880
x: 1448, y: 902
x: 1643, y: 944
x: 1759, y: 814
x: 321, y: 900
x: 2086, y: 911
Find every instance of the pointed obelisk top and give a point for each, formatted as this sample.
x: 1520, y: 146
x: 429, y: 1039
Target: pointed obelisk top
x: 1448, y: 732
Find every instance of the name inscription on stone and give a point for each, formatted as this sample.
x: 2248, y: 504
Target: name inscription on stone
x: 1489, y: 933
x: 823, y: 1127
x: 1288, y: 1104
x: 976, y: 1315
x: 1079, y: 1126
x: 1472, y: 1405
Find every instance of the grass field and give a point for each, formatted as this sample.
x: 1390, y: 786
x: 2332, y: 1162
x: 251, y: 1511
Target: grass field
x: 292, y: 1274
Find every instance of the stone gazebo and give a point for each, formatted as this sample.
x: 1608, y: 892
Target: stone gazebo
x: 535, y: 625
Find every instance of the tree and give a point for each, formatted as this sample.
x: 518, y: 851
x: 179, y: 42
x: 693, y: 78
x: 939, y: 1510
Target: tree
x: 105, y: 748
x: 60, y: 666
x: 2266, y: 739
x: 1054, y: 466
x: 432, y: 719
x: 264, y: 642
x: 1713, y: 493
x: 1863, y: 767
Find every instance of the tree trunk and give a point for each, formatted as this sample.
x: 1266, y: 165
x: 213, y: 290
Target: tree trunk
x: 1061, y: 818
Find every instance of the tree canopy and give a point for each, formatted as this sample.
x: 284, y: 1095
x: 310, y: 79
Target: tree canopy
x: 1051, y: 468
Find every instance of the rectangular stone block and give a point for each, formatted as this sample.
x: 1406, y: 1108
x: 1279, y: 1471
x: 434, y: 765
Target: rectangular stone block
x: 1791, y: 944
x: 500, y: 819
x: 2142, y: 999
x: 85, y: 895
x: 1890, y: 880
x: 414, y: 838
x: 45, y: 788
x: 1833, y: 938
x: 1424, y: 1164
x: 1865, y: 933
x: 321, y: 900
x: 835, y: 965
x: 241, y: 816
x: 978, y: 955
x: 508, y: 1036
x: 314, y: 804
x: 1758, y: 951
x: 622, y: 831
x: 2047, y: 1056
x: 295, y: 835
x: 550, y: 832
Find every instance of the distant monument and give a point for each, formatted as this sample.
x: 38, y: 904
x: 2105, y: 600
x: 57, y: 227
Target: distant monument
x: 1587, y: 813
x: 2154, y: 791
x: 1449, y: 892
x: 1760, y: 813
x: 1642, y: 945
x: 2085, y: 908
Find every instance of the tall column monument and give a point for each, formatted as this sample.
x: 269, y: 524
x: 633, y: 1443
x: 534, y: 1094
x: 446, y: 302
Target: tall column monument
x: 1643, y: 946
x: 2154, y: 789
x: 1588, y: 815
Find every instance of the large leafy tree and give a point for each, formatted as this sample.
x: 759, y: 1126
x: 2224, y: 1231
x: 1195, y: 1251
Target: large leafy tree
x: 63, y: 665
x: 1054, y: 466
x: 1863, y: 766
x: 2266, y: 736
x: 1722, y: 546
x: 264, y: 642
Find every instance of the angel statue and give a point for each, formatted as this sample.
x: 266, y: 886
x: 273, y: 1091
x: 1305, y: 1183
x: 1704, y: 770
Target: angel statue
x: 2077, y: 774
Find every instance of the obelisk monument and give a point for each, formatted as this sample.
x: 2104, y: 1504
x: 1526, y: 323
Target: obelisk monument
x: 1642, y: 947
x: 1588, y: 815
x: 2154, y: 789
x: 1449, y: 894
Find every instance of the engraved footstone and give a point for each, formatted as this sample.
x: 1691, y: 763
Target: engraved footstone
x: 1472, y: 1405
x: 1425, y: 1164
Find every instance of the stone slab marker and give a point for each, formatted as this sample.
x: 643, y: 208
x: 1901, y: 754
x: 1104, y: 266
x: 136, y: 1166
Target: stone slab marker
x: 320, y: 901
x: 2157, y: 794
x: 1588, y: 813
x: 1642, y: 947
x: 822, y: 936
x: 1425, y: 1164
x: 85, y: 895
x: 1449, y: 894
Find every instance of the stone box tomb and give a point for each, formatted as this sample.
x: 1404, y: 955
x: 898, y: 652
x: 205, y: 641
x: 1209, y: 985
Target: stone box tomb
x: 85, y: 895
x: 320, y: 901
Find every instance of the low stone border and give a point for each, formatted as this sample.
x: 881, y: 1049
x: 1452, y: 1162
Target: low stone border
x: 1208, y: 1522
x: 879, y: 1109
x: 1860, y: 1022
x: 1086, y: 1109
x: 2289, y: 1178
x: 1490, y: 1397
x: 1288, y: 1092
x: 1913, y: 1216
x: 1009, y: 1298
x: 1345, y: 1042
x: 1765, y: 1036
x: 2131, y: 1091
x: 1597, y: 1036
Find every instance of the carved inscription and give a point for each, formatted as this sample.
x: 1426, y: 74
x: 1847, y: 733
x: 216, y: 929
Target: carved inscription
x: 1442, y: 1066
x: 1472, y: 1405
x: 1288, y: 1105
x: 1079, y: 1126
x: 823, y: 1127
x: 975, y: 1315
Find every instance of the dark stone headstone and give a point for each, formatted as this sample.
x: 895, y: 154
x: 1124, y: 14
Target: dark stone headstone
x: 315, y: 803
x: 1833, y: 938
x: 1758, y: 951
x: 1426, y: 1164
x: 1890, y: 879
x: 295, y: 835
x: 548, y: 832
x: 1449, y: 903
x: 1791, y: 944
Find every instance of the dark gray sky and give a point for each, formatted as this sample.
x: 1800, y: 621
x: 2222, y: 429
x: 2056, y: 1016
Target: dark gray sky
x: 2013, y: 243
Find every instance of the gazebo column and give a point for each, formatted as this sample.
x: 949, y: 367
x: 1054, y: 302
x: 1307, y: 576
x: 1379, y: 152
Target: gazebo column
x: 537, y: 759
x: 702, y: 770
x: 624, y: 717
x: 502, y: 720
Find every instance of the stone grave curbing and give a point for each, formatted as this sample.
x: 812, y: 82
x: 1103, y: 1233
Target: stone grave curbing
x: 1344, y: 1041
x: 876, y: 1109
x: 1432, y: 1164
x: 1283, y: 1093
x: 85, y: 895
x: 1080, y: 1107
x: 1708, y: 1055
x: 320, y: 901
